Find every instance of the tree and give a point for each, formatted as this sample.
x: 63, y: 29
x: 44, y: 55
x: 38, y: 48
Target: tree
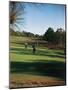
x: 57, y: 39
x: 49, y: 35
x: 59, y: 36
x: 64, y: 38
x: 16, y: 11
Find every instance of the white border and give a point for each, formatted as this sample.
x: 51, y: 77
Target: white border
x: 46, y: 1
x: 4, y: 44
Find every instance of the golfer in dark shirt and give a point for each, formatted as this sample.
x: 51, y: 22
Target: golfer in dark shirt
x: 34, y: 48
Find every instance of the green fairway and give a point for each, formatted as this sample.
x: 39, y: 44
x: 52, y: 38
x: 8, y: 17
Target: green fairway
x: 19, y: 53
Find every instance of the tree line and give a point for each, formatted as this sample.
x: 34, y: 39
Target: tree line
x: 54, y: 38
x: 23, y: 33
x: 57, y: 38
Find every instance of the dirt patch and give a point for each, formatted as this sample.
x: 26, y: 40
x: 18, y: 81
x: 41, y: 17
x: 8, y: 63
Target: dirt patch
x: 26, y: 81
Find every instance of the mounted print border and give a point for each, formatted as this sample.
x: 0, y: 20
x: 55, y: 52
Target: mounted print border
x: 37, y: 46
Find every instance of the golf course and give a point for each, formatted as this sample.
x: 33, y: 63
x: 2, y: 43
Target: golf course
x: 37, y: 44
x: 44, y: 68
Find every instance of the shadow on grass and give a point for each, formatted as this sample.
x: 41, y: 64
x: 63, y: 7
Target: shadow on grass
x: 44, y: 68
x: 38, y: 52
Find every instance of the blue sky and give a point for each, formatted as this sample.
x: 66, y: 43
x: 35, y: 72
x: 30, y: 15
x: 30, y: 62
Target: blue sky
x: 39, y: 17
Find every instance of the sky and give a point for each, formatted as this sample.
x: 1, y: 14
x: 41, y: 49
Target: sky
x: 39, y: 17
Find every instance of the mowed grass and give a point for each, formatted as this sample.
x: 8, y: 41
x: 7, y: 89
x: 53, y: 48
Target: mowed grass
x: 44, y: 63
x: 21, y: 54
